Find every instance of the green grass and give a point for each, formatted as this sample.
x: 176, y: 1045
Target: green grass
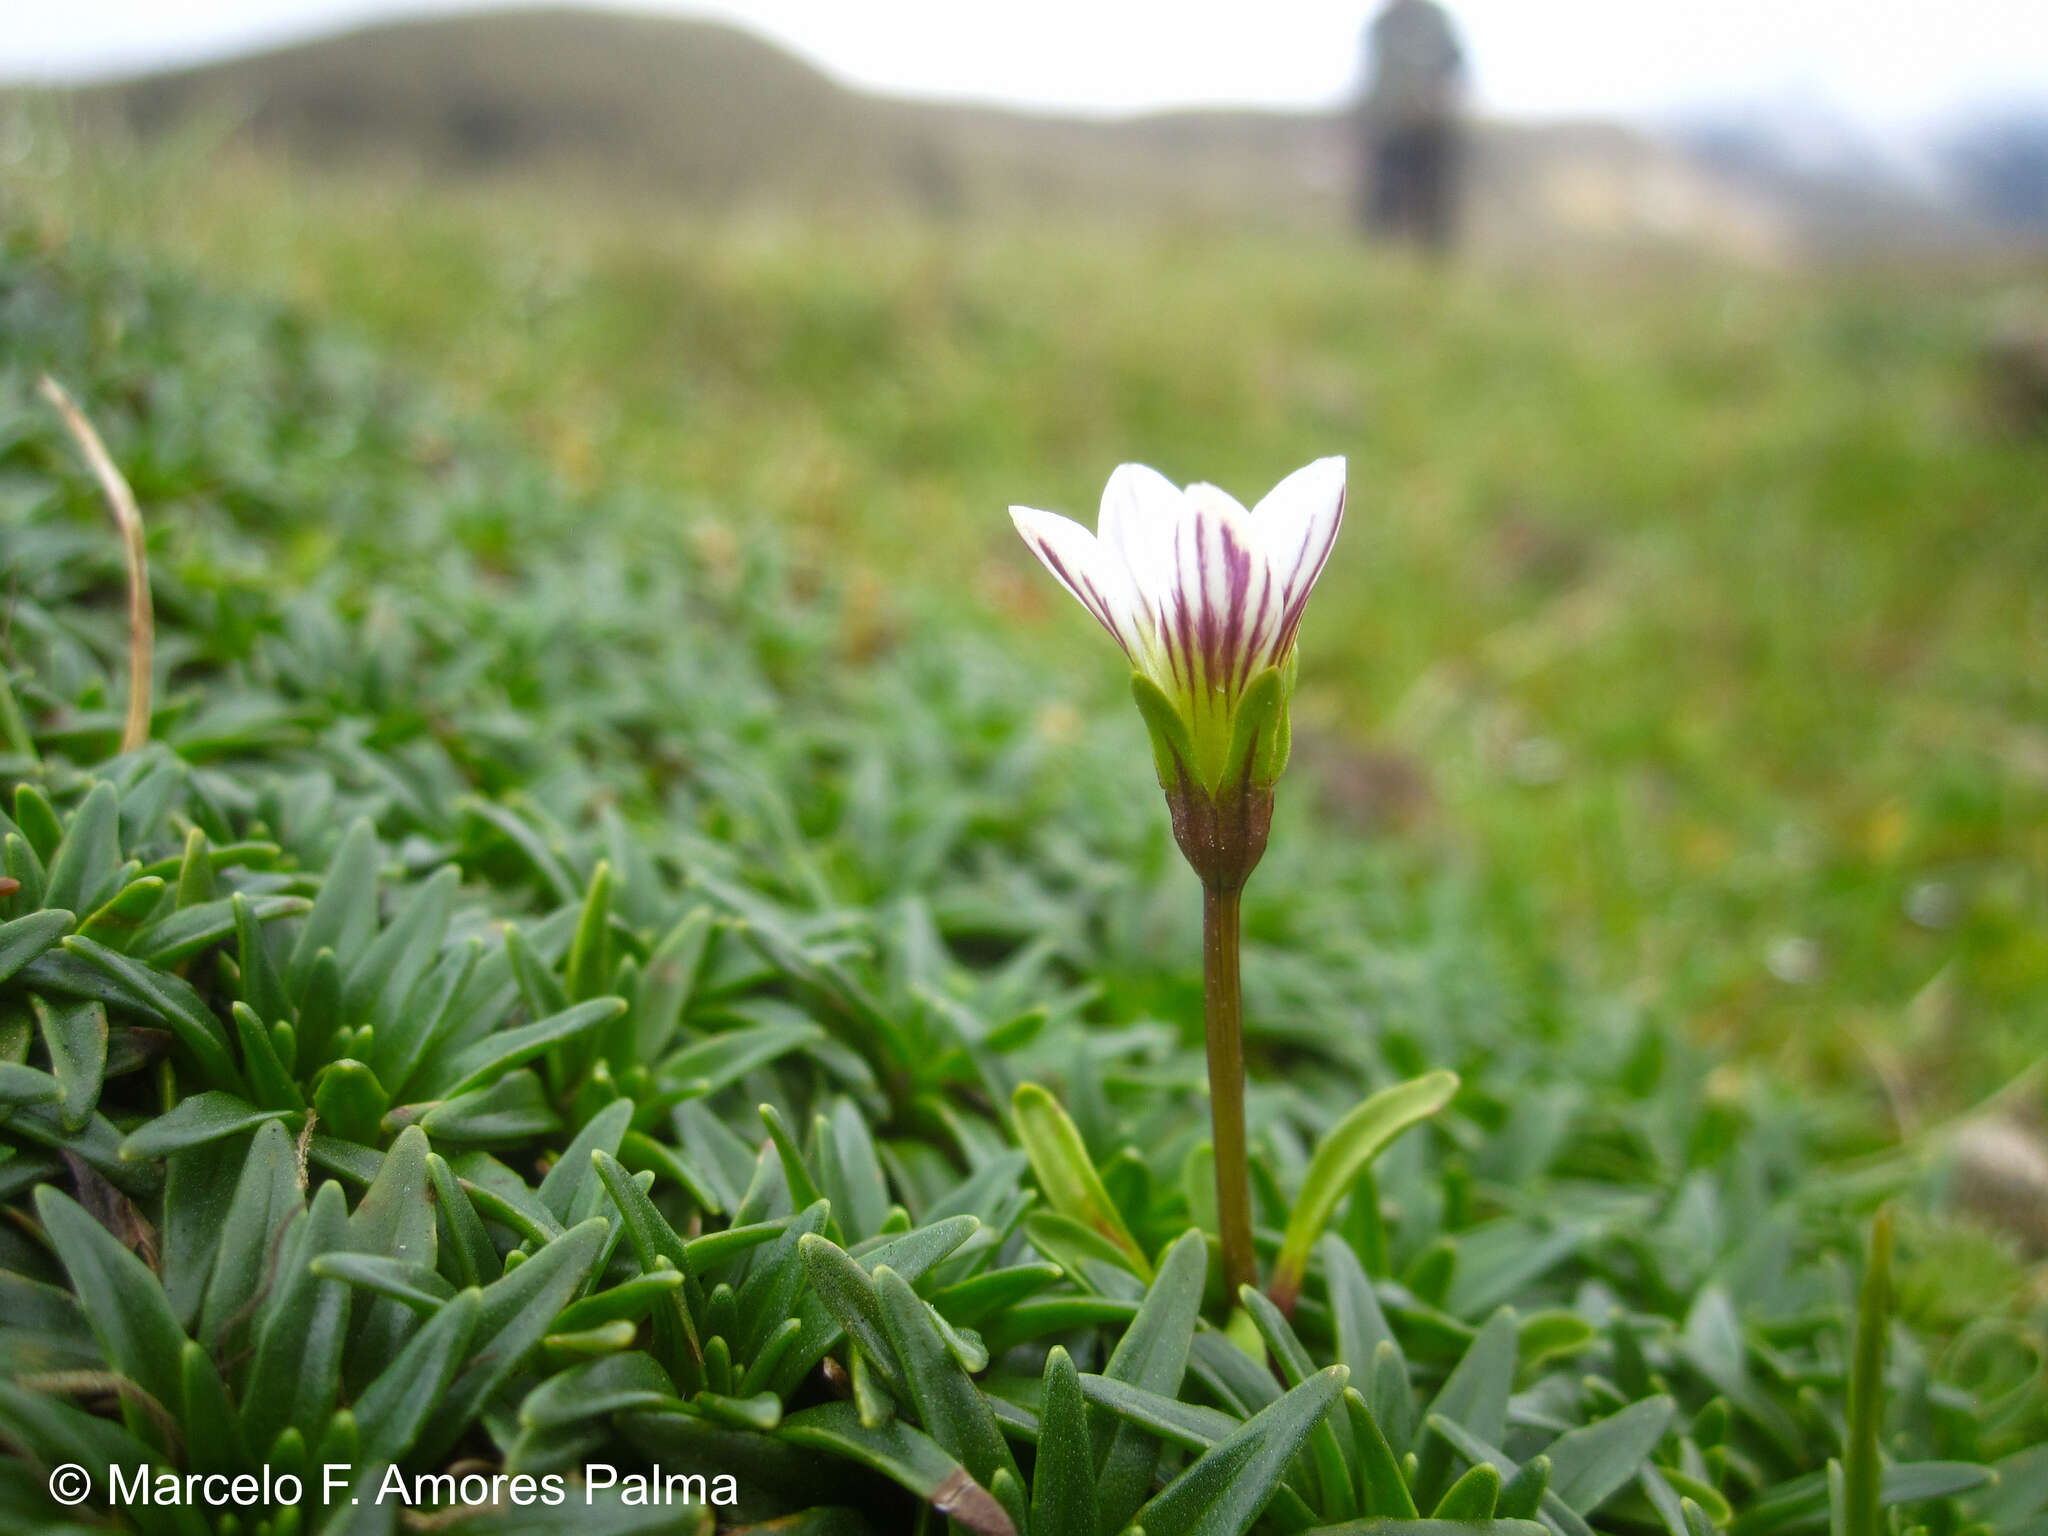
x: 1703, y: 603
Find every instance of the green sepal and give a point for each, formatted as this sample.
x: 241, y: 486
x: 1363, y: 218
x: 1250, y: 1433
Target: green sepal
x: 1283, y: 737
x: 1173, y: 750
x: 1257, y: 734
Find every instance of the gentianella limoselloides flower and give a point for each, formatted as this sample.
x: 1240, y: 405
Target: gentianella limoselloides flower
x: 1205, y: 598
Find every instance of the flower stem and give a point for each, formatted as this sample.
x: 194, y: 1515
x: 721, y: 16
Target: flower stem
x: 1223, y: 1017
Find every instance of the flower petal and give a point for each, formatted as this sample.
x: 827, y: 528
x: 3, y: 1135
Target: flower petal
x: 1297, y: 525
x: 1140, y: 510
x: 1227, y: 612
x: 1071, y: 553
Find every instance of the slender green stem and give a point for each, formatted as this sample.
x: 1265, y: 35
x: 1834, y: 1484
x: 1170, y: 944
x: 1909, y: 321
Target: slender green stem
x: 1223, y: 1016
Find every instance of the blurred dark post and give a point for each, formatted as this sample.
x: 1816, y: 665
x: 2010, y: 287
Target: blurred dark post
x: 1408, y: 125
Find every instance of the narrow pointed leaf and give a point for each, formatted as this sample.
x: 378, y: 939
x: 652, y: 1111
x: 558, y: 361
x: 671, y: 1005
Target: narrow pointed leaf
x: 948, y: 1403
x: 1381, y: 1488
x: 514, y: 1315
x: 123, y: 1303
x: 394, y: 1408
x: 1590, y: 1463
x: 905, y: 1455
x: 1066, y: 1175
x: 509, y: 1048
x: 22, y: 939
x: 170, y: 998
x: 193, y: 1122
x: 1343, y: 1154
x: 74, y: 1033
x: 1063, y: 1480
x: 1152, y: 1355
x: 1228, y: 1486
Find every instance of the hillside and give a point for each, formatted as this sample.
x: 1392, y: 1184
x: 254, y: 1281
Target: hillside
x: 621, y: 106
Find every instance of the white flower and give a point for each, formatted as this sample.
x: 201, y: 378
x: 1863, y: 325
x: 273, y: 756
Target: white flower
x: 1204, y: 597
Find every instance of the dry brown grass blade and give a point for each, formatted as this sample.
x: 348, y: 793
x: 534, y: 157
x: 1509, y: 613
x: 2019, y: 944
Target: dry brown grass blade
x: 128, y: 518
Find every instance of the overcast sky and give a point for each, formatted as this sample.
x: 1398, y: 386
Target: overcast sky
x: 1889, y: 63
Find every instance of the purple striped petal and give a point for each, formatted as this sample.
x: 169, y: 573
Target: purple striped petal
x: 1297, y: 526
x: 1071, y: 553
x: 1227, y: 612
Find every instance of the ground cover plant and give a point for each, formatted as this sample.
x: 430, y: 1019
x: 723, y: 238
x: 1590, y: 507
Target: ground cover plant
x: 1697, y: 609
x: 530, y: 1005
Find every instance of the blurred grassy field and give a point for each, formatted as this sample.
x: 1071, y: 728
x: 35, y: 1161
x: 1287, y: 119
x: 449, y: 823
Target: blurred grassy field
x: 1704, y: 612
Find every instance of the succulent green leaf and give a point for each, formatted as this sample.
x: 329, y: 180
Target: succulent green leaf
x: 850, y: 1172
x: 1350, y: 1147
x: 467, y: 1256
x: 409, y: 1030
x: 1590, y: 1463
x: 1331, y: 1465
x: 24, y: 938
x: 573, y: 1170
x: 419, y: 1289
x: 1153, y: 1356
x: 588, y: 970
x: 1192, y: 1426
x: 906, y: 1456
x: 948, y: 1404
x: 1801, y: 1503
x: 513, y: 1315
x: 1474, y: 1397
x: 1559, y: 1517
x: 170, y: 998
x: 1521, y: 1496
x: 74, y: 1032
x: 1063, y: 1480
x: 206, y: 1415
x: 344, y: 914
x: 619, y: 1383
x: 509, y: 1048
x: 727, y: 1057
x: 667, y: 982
x: 1066, y: 1174
x: 1381, y: 1489
x: 774, y: 1280
x: 176, y: 938
x: 351, y: 1102
x: 296, y: 1375
x: 1472, y: 1497
x: 851, y: 1295
x: 1862, y: 1464
x: 123, y: 1303
x: 266, y: 1198
x: 1228, y: 1485
x: 271, y: 1085
x: 84, y: 864
x: 396, y: 1406
x: 514, y: 1108
x: 193, y: 1122
x: 911, y: 1255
